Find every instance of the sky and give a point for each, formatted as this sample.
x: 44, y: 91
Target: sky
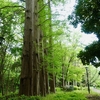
x: 86, y: 39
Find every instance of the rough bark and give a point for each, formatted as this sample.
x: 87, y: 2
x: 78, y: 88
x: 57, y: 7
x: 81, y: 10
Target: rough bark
x: 34, y: 78
x: 36, y: 58
x: 26, y: 80
x: 42, y: 70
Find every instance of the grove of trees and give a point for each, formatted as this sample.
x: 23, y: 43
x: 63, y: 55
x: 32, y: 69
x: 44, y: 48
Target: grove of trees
x: 38, y: 52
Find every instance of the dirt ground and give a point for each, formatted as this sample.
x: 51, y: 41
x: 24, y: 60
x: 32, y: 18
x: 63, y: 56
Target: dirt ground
x: 93, y: 97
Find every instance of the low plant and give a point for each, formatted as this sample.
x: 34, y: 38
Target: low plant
x: 22, y: 97
x: 59, y: 95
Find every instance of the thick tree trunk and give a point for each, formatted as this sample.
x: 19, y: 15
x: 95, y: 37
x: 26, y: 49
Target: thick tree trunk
x: 52, y: 83
x: 34, y: 80
x: 42, y: 83
x: 26, y: 80
x: 36, y: 52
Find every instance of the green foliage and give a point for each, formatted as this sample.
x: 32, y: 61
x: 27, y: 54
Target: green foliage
x: 75, y: 74
x: 87, y: 13
x: 16, y: 97
x: 59, y: 95
x: 68, y: 88
x: 11, y: 29
x: 66, y: 96
x: 12, y: 15
x: 91, y: 54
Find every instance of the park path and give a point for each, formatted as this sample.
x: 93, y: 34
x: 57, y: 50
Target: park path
x: 95, y: 90
x: 94, y: 97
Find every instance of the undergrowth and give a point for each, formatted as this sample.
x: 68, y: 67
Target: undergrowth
x: 75, y: 95
x: 59, y: 95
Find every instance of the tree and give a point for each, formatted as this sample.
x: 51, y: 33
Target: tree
x: 87, y: 13
x: 91, y: 54
x: 75, y: 76
x: 37, y: 44
x: 9, y: 22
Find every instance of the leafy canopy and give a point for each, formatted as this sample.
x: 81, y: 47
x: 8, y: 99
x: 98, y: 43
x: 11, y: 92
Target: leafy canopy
x: 87, y: 13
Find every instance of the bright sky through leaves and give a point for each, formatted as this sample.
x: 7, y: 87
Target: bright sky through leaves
x: 67, y: 9
x: 86, y: 38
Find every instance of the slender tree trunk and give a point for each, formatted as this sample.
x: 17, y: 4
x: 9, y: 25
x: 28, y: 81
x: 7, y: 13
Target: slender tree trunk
x: 63, y: 70
x: 2, y: 74
x: 47, y: 82
x: 62, y: 80
x: 46, y: 65
x: 52, y: 76
x: 42, y: 70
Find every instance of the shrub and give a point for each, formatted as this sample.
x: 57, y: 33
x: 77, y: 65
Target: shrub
x: 77, y: 88
x: 68, y: 88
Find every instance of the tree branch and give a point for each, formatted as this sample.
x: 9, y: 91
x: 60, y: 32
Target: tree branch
x: 43, y: 7
x: 11, y: 7
x: 43, y: 22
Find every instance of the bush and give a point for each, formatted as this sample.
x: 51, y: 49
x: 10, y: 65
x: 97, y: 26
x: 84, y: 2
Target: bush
x: 8, y: 96
x: 77, y: 88
x: 68, y: 88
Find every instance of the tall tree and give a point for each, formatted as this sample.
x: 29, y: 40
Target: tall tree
x: 37, y: 47
x: 9, y: 17
x: 33, y: 69
x: 26, y: 81
x: 87, y: 13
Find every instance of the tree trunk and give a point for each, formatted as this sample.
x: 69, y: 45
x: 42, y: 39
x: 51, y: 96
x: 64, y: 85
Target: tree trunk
x: 52, y: 83
x: 47, y: 82
x: 33, y: 79
x: 52, y: 76
x: 42, y: 70
x: 26, y: 80
x: 62, y: 80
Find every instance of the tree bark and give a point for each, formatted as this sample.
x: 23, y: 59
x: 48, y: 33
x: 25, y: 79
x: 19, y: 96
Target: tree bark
x: 26, y: 80
x: 52, y: 76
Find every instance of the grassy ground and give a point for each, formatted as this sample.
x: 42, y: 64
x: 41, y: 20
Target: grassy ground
x: 65, y: 96
x: 73, y: 95
x: 60, y: 95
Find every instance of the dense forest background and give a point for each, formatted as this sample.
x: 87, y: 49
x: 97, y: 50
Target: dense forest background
x: 39, y: 51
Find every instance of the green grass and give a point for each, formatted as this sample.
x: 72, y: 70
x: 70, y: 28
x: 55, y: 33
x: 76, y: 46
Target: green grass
x: 59, y: 95
x: 75, y: 95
